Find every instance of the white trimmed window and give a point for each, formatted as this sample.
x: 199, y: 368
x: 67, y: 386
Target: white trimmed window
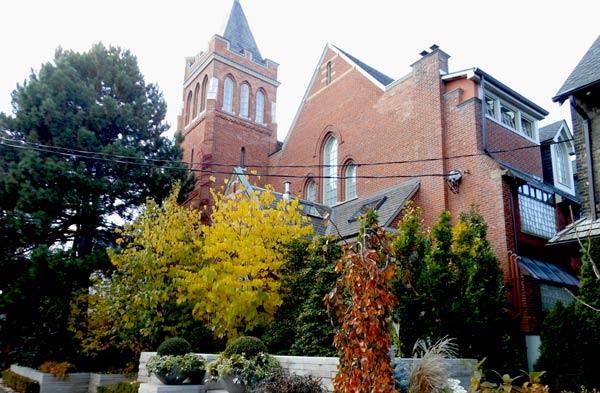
x: 536, y: 208
x: 310, y: 193
x: 330, y: 157
x: 350, y: 181
x: 260, y: 107
x: 228, y: 95
x: 244, y: 99
x: 510, y: 116
x: 561, y: 161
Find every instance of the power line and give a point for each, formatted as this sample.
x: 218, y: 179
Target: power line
x: 176, y: 165
x: 76, y: 152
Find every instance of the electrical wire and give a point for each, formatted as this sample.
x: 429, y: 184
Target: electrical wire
x: 192, y: 166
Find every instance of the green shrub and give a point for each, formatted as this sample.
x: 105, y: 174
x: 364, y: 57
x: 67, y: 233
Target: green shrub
x: 20, y: 383
x: 121, y: 387
x: 289, y: 383
x: 174, y: 346
x: 248, y: 345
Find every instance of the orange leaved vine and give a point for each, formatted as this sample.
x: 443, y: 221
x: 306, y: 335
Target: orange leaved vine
x: 362, y: 302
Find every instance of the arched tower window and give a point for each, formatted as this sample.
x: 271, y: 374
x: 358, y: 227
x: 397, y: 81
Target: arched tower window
x: 243, y: 157
x: 188, y: 108
x: 244, y: 99
x: 260, y: 107
x: 203, y: 97
x: 310, y: 191
x: 329, y: 73
x: 196, y: 98
x: 350, y: 180
x: 228, y: 95
x: 330, y: 157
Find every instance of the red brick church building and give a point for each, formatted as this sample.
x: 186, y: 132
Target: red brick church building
x: 446, y: 139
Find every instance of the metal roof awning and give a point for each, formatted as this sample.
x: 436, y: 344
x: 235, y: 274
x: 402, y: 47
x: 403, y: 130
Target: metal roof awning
x: 579, y: 231
x: 549, y: 272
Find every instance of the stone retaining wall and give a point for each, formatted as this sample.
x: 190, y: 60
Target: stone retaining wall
x: 74, y: 383
x: 319, y: 367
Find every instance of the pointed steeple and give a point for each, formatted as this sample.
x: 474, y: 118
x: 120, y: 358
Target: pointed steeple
x: 237, y: 32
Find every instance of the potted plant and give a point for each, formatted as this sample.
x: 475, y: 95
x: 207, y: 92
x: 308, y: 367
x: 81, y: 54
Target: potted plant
x: 243, y: 364
x: 174, y: 369
x: 174, y: 363
x: 195, y: 367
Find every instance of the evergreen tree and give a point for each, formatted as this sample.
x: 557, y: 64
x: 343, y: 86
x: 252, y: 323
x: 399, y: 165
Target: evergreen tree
x: 302, y: 326
x: 571, y: 333
x: 84, y: 146
x: 449, y: 284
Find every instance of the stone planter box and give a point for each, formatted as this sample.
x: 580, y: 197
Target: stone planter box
x: 319, y: 367
x: 97, y: 379
x: 74, y: 383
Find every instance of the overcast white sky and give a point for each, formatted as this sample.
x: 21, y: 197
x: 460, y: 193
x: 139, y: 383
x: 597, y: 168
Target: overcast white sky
x: 529, y: 45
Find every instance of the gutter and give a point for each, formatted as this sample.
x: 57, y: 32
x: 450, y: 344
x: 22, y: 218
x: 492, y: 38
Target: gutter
x: 484, y: 140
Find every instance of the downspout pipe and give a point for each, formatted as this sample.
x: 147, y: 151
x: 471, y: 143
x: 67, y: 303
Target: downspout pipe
x: 484, y: 140
x: 588, y: 151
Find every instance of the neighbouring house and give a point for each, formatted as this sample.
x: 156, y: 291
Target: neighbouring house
x: 445, y: 139
x: 582, y: 91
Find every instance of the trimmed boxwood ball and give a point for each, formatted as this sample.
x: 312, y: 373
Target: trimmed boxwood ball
x: 174, y: 346
x: 248, y: 345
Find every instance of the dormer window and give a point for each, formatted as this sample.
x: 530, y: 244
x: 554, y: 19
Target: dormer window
x: 527, y: 127
x: 510, y: 116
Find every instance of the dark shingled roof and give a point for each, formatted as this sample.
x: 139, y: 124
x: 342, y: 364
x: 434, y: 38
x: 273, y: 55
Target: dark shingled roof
x: 548, y: 132
x: 380, y: 77
x: 388, y: 203
x: 238, y: 33
x: 586, y: 73
x: 342, y: 219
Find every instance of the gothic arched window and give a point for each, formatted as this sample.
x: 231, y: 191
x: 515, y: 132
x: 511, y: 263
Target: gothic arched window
x: 196, y: 98
x: 260, y: 107
x: 188, y: 108
x: 310, y: 191
x: 244, y: 99
x: 228, y: 95
x: 202, y: 98
x: 350, y: 181
x: 330, y: 157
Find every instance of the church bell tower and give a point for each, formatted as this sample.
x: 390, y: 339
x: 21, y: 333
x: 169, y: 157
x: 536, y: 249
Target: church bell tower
x: 228, y: 115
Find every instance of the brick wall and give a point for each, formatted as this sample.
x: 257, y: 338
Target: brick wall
x: 214, y: 138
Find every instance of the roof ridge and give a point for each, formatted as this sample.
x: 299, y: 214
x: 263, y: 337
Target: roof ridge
x: 378, y: 75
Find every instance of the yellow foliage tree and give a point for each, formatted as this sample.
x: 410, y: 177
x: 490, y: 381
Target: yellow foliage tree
x: 136, y: 307
x: 237, y: 288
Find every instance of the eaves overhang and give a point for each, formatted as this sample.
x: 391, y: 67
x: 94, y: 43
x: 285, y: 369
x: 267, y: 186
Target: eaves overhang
x: 477, y: 74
